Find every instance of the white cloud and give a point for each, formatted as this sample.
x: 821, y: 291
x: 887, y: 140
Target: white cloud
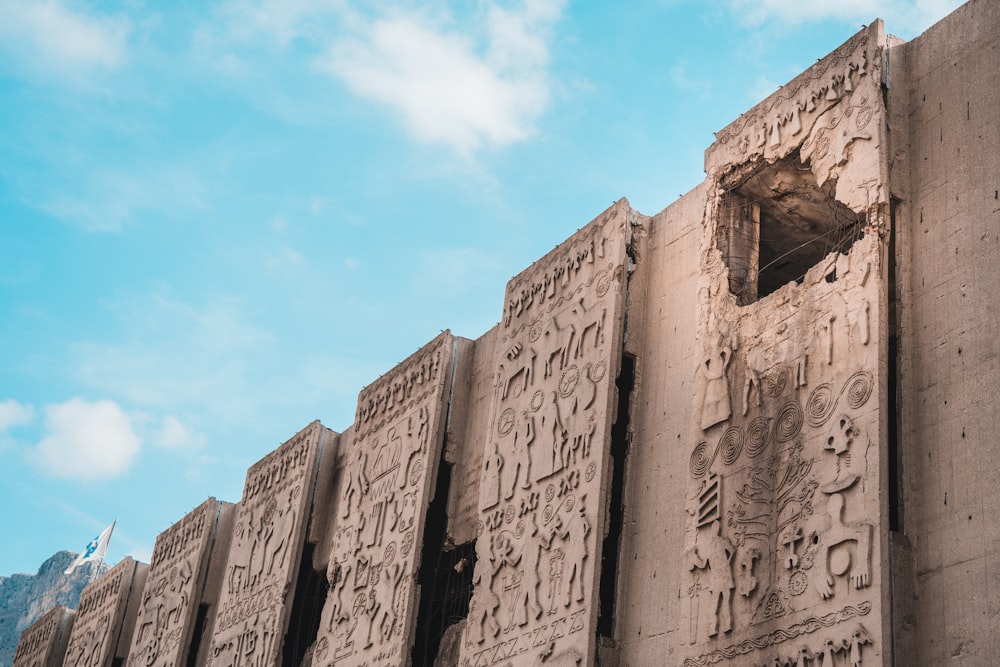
x: 87, y: 440
x: 173, y: 434
x: 14, y: 414
x: 175, y: 356
x: 901, y: 16
x: 106, y: 200
x: 54, y: 37
x: 448, y: 87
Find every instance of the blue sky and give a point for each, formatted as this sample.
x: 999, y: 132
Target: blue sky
x: 219, y: 220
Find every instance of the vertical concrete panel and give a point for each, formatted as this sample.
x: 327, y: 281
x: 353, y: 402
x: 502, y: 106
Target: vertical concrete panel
x: 785, y: 541
x: 43, y: 643
x: 388, y: 467
x: 105, y: 617
x: 948, y: 239
x: 545, y: 474
x: 168, y: 611
x: 265, y: 552
x: 661, y: 335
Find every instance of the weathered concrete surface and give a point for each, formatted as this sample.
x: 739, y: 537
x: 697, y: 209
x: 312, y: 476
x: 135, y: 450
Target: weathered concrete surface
x: 175, y: 584
x: 105, y: 619
x: 545, y: 474
x: 269, y: 532
x: 388, y: 468
x: 43, y: 643
x: 661, y: 330
x: 946, y: 87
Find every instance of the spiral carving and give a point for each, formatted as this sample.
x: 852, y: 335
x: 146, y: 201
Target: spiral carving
x: 701, y: 459
x: 789, y: 422
x: 757, y: 435
x: 731, y: 444
x: 820, y: 405
x: 858, y: 388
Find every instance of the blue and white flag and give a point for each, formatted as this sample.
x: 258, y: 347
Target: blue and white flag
x: 96, y: 550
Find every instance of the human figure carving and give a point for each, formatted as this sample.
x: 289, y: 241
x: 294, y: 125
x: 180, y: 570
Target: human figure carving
x: 357, y: 481
x: 575, y: 534
x: 839, y: 442
x: 527, y: 605
x: 713, y: 553
x: 840, y: 533
x: 520, y: 456
x: 553, y: 434
x: 716, y: 406
x: 417, y: 436
x: 489, y: 491
x: 485, y: 601
x: 559, y: 345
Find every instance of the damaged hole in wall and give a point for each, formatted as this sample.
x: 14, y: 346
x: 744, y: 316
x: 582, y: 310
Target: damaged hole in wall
x: 775, y: 222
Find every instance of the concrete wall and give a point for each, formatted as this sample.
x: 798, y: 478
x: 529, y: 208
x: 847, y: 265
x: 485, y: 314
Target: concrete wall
x: 945, y: 97
x: 741, y: 506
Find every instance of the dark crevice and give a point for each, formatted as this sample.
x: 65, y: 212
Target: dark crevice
x: 310, y: 594
x: 895, y: 471
x: 197, y: 635
x: 445, y: 577
x: 616, y: 510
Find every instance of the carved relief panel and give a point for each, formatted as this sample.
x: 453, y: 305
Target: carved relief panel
x: 268, y: 534
x: 784, y: 496
x: 103, y: 614
x: 169, y: 603
x: 831, y: 114
x: 543, y: 481
x: 43, y: 643
x: 387, y: 479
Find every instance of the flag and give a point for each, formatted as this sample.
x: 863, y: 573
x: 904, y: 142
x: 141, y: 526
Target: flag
x: 96, y: 550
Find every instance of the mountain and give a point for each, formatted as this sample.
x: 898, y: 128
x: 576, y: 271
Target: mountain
x: 25, y: 597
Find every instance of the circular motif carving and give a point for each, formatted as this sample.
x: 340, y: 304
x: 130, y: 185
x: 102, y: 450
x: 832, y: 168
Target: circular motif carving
x: 547, y: 513
x: 567, y: 383
x: 537, y: 399
x: 407, y: 544
x: 506, y: 422
x: 700, y: 459
x: 535, y: 330
x: 598, y: 371
x: 798, y: 583
x: 789, y: 422
x: 822, y: 147
x: 569, y: 502
x: 390, y: 553
x: 508, y: 513
x: 820, y: 405
x: 519, y: 530
x: 416, y: 472
x: 757, y: 434
x: 731, y: 444
x: 550, y: 492
x: 322, y: 648
x: 603, y: 283
x: 591, y: 470
x: 858, y: 388
x: 864, y: 117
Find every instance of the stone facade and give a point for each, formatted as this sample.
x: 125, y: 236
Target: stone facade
x: 43, y: 643
x: 167, y: 617
x: 105, y: 618
x: 747, y: 430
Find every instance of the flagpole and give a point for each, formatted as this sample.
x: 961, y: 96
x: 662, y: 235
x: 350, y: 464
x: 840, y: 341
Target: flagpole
x: 97, y: 569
